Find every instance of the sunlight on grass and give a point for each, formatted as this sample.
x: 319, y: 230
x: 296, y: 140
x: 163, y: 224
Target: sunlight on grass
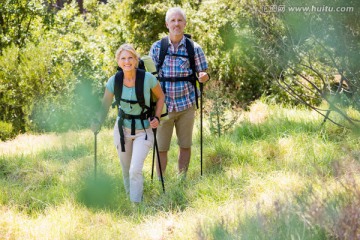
x: 289, y: 149
x: 261, y: 112
x: 28, y: 144
x: 353, y: 113
x: 258, y: 113
x: 65, y: 221
x: 265, y: 178
x: 273, y: 187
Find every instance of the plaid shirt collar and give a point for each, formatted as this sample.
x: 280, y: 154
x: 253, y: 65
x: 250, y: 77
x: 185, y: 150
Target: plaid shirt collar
x: 182, y: 41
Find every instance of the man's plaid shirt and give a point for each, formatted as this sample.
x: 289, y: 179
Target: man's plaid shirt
x: 179, y: 95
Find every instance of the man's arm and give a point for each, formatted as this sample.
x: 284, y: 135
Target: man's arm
x: 201, y: 64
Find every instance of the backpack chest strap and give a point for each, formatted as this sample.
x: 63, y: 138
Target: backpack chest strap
x: 129, y: 101
x: 192, y: 79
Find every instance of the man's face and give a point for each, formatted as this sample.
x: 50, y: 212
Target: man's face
x: 176, y: 24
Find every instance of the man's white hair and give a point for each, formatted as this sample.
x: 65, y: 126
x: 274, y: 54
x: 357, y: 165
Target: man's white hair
x: 174, y: 10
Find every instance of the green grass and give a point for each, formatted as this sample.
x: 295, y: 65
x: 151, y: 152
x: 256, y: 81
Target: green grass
x: 278, y: 174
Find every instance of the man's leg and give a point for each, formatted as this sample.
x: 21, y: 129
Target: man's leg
x: 184, y: 129
x: 163, y: 136
x: 184, y: 160
x: 163, y: 162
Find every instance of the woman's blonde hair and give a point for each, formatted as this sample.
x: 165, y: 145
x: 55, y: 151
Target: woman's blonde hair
x: 127, y: 47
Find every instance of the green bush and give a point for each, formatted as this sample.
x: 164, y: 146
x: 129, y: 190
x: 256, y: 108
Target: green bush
x: 6, y: 130
x: 66, y: 111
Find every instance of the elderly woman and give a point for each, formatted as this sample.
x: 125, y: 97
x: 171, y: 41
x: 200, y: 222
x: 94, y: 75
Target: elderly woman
x: 133, y: 137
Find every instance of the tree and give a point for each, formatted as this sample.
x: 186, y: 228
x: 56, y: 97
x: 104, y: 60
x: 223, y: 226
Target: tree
x: 308, y: 47
x: 37, y: 79
x: 19, y: 20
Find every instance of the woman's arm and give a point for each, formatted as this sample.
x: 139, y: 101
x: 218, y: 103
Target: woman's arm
x: 105, y: 105
x: 159, y: 95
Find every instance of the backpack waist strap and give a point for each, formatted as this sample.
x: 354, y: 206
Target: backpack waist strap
x: 122, y: 116
x: 176, y: 79
x: 143, y: 116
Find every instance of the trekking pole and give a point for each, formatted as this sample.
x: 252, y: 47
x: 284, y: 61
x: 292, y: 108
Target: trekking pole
x: 95, y: 153
x: 201, y: 129
x: 153, y: 161
x: 158, y: 157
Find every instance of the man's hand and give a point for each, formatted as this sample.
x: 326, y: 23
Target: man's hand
x: 203, y: 77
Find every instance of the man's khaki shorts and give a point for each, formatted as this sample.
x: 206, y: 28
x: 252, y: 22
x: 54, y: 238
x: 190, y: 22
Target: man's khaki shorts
x: 184, y: 125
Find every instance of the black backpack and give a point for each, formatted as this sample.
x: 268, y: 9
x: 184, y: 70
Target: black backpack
x: 189, y: 48
x: 146, y: 112
x: 139, y: 90
x: 164, y: 45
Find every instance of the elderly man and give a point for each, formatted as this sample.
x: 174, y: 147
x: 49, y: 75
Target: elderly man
x: 177, y: 72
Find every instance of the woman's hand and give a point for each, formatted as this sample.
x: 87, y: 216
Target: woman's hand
x: 95, y: 126
x: 154, y: 122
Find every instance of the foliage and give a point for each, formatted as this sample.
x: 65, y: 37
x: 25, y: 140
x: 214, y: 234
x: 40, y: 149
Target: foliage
x: 6, y: 131
x: 41, y: 84
x: 28, y: 74
x: 220, y: 116
x: 309, y: 59
x: 20, y: 21
x: 251, y: 53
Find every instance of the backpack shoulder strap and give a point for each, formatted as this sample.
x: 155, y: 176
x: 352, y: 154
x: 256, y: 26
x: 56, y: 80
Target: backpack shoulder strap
x: 139, y: 87
x: 191, y: 53
x: 118, y: 86
x: 164, y: 45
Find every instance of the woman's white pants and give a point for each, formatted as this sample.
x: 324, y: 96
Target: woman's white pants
x: 132, y: 160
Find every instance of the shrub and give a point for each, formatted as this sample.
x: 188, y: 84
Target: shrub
x: 6, y: 130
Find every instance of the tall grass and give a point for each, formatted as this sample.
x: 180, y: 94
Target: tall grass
x: 278, y: 174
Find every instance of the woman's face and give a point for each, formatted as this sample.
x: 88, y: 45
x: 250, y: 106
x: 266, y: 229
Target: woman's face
x: 127, y: 61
